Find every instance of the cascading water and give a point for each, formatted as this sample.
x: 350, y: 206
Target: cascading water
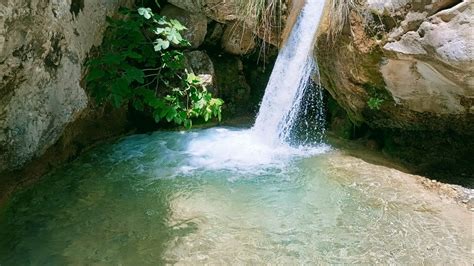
x: 284, y: 101
x: 291, y: 118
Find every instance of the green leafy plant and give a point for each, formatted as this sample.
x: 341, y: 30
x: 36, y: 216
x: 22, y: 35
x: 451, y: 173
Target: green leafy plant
x: 375, y: 103
x: 141, y: 64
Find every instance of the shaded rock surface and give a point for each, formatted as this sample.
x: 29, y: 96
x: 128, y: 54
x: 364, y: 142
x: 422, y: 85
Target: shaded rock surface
x: 232, y: 83
x: 43, y: 45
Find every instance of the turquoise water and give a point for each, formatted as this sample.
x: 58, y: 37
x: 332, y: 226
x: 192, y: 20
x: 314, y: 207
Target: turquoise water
x: 215, y: 197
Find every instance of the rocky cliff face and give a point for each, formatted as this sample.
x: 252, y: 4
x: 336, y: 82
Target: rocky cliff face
x: 414, y: 56
x: 43, y: 45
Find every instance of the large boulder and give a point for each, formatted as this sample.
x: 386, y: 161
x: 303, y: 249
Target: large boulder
x: 219, y: 10
x: 195, y: 23
x: 238, y: 39
x: 415, y: 56
x: 43, y: 45
x: 439, y: 56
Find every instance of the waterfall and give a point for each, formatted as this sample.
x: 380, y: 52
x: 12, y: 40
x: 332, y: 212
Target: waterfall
x: 291, y: 117
x: 290, y: 93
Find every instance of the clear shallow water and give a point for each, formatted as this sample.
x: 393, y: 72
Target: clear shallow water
x: 218, y: 197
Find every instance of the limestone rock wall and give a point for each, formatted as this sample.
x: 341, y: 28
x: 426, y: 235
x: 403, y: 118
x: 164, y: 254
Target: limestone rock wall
x: 43, y: 45
x: 415, y: 55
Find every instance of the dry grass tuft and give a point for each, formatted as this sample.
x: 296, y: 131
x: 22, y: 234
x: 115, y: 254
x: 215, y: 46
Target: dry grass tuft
x: 263, y: 16
x: 339, y: 15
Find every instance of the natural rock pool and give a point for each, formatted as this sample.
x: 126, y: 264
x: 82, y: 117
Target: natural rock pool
x: 215, y: 197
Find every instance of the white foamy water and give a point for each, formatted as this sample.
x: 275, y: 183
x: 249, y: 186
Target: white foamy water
x: 270, y: 141
x: 290, y: 78
x: 241, y: 149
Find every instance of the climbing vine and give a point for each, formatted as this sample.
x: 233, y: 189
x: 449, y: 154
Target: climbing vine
x: 142, y: 64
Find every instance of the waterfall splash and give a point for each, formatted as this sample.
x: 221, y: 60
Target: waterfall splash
x: 290, y: 93
x: 291, y: 118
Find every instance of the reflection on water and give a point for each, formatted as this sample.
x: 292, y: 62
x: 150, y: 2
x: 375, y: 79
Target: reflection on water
x: 166, y: 198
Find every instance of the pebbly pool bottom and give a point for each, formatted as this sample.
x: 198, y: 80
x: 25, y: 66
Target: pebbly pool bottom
x: 217, y: 197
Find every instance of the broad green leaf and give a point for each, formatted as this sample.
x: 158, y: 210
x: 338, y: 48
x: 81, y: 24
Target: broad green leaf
x: 164, y: 111
x: 171, y: 114
x: 117, y: 100
x: 162, y: 21
x: 121, y: 87
x: 132, y: 54
x: 173, y: 60
x: 94, y: 74
x: 156, y: 116
x: 112, y: 59
x: 191, y: 78
x: 177, y: 120
x: 145, y: 12
x: 183, y: 115
x: 161, y: 44
x: 177, y: 25
x: 174, y: 36
x: 133, y: 73
x: 159, y: 31
x: 216, y: 101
